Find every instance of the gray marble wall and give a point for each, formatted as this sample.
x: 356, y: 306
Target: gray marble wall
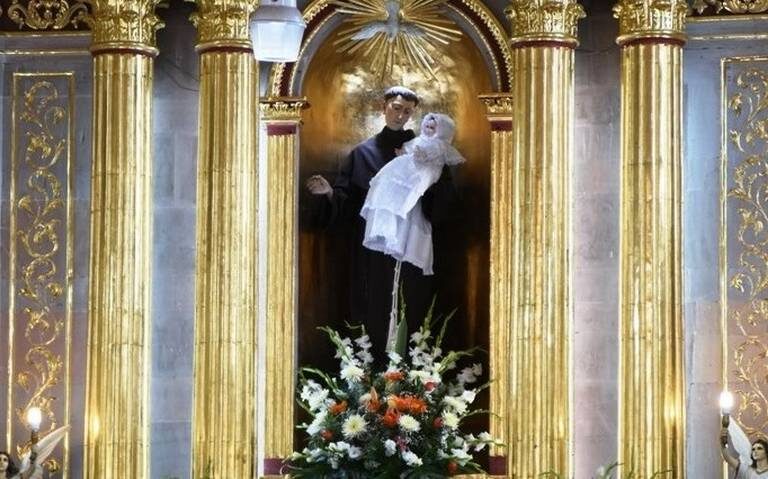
x: 595, y: 243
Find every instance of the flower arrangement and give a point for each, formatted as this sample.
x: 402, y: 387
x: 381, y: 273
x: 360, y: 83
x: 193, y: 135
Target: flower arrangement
x: 400, y: 423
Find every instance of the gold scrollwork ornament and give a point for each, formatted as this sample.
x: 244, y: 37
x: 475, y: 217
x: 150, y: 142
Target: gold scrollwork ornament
x: 750, y: 179
x: 47, y: 14
x: 42, y: 209
x: 731, y: 6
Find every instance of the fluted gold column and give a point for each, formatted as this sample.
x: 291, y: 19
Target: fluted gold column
x: 282, y: 117
x: 117, y: 391
x: 223, y: 423
x: 499, y: 108
x: 651, y: 415
x: 543, y: 39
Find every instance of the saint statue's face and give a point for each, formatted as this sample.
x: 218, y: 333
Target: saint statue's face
x: 397, y: 112
x: 758, y: 451
x: 3, y: 463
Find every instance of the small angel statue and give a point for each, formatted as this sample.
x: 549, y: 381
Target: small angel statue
x: 31, y: 462
x: 394, y: 222
x: 748, y: 459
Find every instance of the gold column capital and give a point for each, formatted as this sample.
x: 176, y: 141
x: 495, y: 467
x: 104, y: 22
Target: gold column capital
x: 498, y: 105
x: 536, y: 21
x: 124, y: 25
x: 283, y: 109
x: 223, y: 24
x: 660, y: 20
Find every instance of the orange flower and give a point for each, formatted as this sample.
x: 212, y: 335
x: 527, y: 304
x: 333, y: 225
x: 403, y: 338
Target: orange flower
x: 393, y: 376
x: 416, y: 405
x: 338, y: 408
x: 390, y: 418
x: 410, y: 404
x: 374, y: 403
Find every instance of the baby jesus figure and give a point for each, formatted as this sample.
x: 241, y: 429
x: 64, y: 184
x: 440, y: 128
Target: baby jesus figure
x: 394, y: 222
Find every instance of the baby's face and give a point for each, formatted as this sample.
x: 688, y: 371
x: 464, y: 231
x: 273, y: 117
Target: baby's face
x: 430, y: 127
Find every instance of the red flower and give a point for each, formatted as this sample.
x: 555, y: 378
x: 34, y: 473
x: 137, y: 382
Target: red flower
x: 338, y: 408
x: 430, y: 386
x: 438, y: 422
x: 390, y: 418
x: 393, y: 376
x: 326, y: 434
x: 453, y: 468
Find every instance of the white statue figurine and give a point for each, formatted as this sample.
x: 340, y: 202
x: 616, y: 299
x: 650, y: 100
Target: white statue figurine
x: 31, y: 462
x: 748, y: 459
x: 395, y: 223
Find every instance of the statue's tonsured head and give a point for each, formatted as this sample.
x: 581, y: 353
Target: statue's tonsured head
x: 399, y: 105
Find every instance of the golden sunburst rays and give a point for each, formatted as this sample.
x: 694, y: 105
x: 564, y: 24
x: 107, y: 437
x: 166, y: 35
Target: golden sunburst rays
x: 395, y: 32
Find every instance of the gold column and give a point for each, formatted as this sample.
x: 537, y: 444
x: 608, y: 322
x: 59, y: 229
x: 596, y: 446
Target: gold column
x: 282, y: 117
x: 117, y: 390
x: 543, y: 39
x: 499, y: 108
x: 651, y: 415
x: 223, y: 423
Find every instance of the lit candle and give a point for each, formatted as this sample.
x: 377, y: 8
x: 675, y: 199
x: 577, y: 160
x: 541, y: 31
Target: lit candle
x: 726, y: 402
x: 34, y: 418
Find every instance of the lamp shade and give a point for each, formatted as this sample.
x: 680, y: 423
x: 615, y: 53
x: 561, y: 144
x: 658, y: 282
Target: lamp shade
x: 277, y: 28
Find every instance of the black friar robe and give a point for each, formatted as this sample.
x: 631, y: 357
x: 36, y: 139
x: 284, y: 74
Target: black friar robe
x: 371, y: 272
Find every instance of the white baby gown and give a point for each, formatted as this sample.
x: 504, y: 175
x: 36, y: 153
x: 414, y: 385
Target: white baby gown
x: 394, y: 222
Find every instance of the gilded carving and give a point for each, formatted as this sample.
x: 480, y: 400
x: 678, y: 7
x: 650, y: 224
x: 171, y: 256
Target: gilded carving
x: 536, y: 18
x: 123, y: 23
x: 478, y: 8
x: 747, y: 306
x: 498, y: 105
x: 651, y: 17
x: 287, y: 109
x: 393, y: 32
x: 225, y: 21
x: 47, y: 14
x: 40, y: 280
x: 731, y: 6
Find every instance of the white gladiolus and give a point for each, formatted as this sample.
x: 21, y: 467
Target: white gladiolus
x: 457, y: 404
x: 468, y: 395
x: 317, y: 423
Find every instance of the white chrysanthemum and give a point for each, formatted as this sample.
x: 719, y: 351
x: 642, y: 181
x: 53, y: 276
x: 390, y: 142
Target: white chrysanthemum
x: 468, y: 396
x: 450, y: 420
x: 411, y: 459
x: 408, y: 423
x: 457, y: 404
x: 353, y: 426
x: 317, y: 423
x: 352, y: 373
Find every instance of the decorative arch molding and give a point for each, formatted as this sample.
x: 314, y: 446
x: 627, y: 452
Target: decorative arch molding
x: 471, y: 16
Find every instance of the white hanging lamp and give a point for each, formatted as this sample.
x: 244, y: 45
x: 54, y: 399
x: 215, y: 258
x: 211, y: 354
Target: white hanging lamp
x: 277, y: 28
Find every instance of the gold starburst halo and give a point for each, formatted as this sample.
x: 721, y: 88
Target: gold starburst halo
x: 395, y: 32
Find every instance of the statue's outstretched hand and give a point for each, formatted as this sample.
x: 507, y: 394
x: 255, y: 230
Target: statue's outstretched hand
x: 317, y: 185
x: 724, y: 436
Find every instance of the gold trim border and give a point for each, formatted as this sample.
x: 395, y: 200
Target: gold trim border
x: 69, y: 252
